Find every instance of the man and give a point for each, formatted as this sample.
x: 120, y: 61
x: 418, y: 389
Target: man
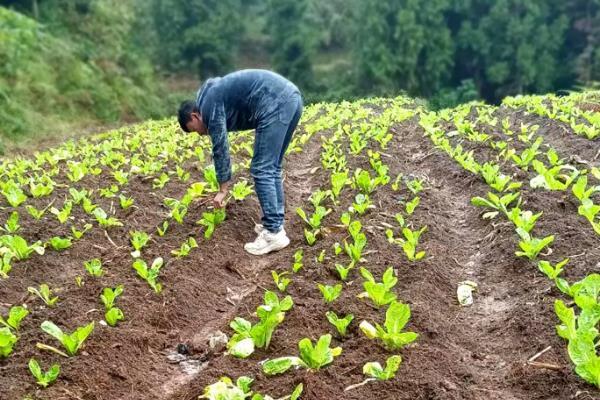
x: 250, y: 99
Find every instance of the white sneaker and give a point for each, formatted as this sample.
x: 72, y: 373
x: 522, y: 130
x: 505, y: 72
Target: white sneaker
x: 267, y: 242
x: 258, y: 228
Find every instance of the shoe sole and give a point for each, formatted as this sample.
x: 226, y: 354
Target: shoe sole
x: 269, y: 249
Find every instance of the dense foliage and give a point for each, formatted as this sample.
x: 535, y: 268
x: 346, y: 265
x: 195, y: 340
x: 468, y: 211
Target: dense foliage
x: 100, y: 59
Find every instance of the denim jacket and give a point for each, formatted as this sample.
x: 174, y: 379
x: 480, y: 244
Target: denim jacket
x: 236, y: 102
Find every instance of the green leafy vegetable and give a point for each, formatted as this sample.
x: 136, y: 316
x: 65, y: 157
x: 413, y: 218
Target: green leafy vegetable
x: 211, y: 220
x: 375, y: 370
x: 391, y: 334
x: 330, y: 293
x: 379, y: 292
x: 341, y: 324
x: 44, y: 379
x: 311, y: 357
x: 71, y: 342
x: 16, y: 314
x: 45, y: 294
x: 94, y: 267
x: 150, y: 275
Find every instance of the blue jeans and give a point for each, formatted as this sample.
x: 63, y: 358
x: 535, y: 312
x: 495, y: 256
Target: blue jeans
x: 273, y: 135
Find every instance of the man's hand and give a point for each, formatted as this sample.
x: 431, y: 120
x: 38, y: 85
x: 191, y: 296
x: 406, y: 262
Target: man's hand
x: 219, y: 200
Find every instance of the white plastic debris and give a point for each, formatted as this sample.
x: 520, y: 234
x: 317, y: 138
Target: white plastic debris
x: 464, y: 292
x: 217, y: 339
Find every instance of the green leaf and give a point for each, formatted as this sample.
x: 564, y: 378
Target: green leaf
x: 279, y: 365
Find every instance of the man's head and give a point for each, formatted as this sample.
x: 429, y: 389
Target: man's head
x: 190, y: 118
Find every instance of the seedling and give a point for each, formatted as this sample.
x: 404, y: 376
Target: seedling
x: 311, y: 357
x: 337, y: 249
x: 415, y: 185
x: 379, y: 292
x: 341, y: 324
x: 161, y: 181
x: 412, y: 205
x: 248, y: 336
x: 63, y: 214
x: 317, y: 197
x: 19, y: 248
x: 44, y: 379
x: 210, y: 175
x: 16, y: 314
x: 298, y: 256
x: 211, y: 220
x: 150, y: 275
x: 553, y: 178
x: 321, y: 256
x: 580, y: 331
x: 532, y: 246
x: 315, y: 219
x: 363, y: 181
x: 528, y: 155
x: 553, y: 273
x: 161, y: 230
x: 78, y: 234
x: 185, y: 248
x: 355, y: 249
x: 104, y: 220
x: 71, y: 342
x: 59, y: 243
x: 78, y: 195
x: 338, y: 181
x: 344, y: 271
x: 241, y: 190
x: 139, y: 239
x: 12, y: 223
x: 523, y: 219
x: 225, y: 389
x: 499, y: 204
x: 375, y: 370
x: 88, y: 206
x: 13, y: 193
x: 589, y: 210
x: 45, y: 294
x: 330, y: 293
x: 580, y: 189
x: 182, y: 174
x: 280, y: 280
x: 391, y: 334
x: 7, y: 342
x: 125, y: 202
x: 94, y: 267
x: 113, y: 314
x: 310, y: 236
x: 361, y: 204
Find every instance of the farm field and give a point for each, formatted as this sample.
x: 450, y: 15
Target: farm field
x: 390, y: 207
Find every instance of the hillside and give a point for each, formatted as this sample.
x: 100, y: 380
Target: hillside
x: 494, y: 195
x: 51, y: 84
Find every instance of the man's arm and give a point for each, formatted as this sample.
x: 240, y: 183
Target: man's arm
x: 217, y: 129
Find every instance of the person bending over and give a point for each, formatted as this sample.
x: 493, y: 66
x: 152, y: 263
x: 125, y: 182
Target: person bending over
x: 250, y: 99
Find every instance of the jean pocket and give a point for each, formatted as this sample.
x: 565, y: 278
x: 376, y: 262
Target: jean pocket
x: 288, y: 108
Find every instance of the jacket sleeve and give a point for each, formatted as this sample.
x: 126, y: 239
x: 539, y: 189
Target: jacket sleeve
x: 217, y: 129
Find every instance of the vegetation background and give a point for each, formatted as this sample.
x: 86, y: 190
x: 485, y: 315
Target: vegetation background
x: 68, y: 66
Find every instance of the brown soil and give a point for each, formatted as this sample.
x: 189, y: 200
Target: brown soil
x: 477, y: 352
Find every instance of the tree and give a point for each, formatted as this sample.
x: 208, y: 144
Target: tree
x: 292, y: 44
x: 511, y: 46
x: 199, y: 36
x: 403, y: 44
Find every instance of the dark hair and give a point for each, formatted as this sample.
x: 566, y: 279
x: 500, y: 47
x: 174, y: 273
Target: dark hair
x: 184, y: 115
